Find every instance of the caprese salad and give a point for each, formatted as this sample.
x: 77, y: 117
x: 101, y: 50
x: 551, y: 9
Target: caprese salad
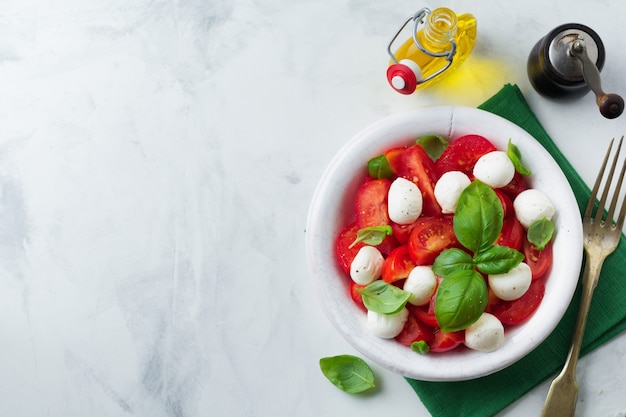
x: 449, y: 244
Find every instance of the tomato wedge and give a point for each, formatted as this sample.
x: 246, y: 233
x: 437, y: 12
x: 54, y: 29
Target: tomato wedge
x: 462, y: 154
x: 345, y: 254
x: 414, y: 331
x: 517, y: 311
x: 445, y: 341
x: 429, y: 237
x: 516, y: 186
x: 402, y: 232
x: 356, y: 296
x: 507, y: 203
x: 539, y: 261
x: 394, y: 158
x: 397, y: 265
x: 418, y: 167
x: 371, y: 210
x: 426, y: 314
x: 371, y: 204
x: 512, y: 234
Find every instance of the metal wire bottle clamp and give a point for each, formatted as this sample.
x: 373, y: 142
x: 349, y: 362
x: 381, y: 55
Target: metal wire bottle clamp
x: 405, y: 74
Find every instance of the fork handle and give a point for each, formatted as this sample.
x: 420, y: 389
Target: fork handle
x: 563, y: 392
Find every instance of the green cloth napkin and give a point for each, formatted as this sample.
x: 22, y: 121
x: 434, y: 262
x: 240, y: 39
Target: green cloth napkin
x: 486, y: 396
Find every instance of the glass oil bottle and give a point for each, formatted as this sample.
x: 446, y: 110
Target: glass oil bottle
x: 443, y: 43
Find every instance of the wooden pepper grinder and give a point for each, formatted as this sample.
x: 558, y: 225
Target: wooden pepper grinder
x: 567, y: 63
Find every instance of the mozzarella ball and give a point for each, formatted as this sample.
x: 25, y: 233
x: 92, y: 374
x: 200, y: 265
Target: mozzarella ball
x: 513, y: 284
x: 367, y: 265
x: 387, y: 326
x: 486, y: 334
x: 448, y: 189
x: 531, y: 205
x: 421, y: 283
x: 404, y: 201
x: 494, y: 169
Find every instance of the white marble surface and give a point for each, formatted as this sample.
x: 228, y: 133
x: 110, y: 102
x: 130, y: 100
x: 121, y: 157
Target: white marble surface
x: 157, y: 159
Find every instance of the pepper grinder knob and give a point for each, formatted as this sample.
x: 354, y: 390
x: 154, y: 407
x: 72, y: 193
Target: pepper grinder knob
x: 566, y: 63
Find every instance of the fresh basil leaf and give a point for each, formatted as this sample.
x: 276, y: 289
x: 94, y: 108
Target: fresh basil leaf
x: 420, y: 347
x: 379, y: 168
x: 515, y: 156
x: 434, y: 145
x: 461, y: 299
x: 451, y: 260
x: 478, y: 218
x: 348, y: 373
x: 540, y: 233
x: 384, y: 298
x: 373, y: 235
x: 498, y: 260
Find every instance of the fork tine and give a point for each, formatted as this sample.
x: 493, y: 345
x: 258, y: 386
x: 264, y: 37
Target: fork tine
x: 622, y: 213
x: 607, y: 185
x: 596, y: 186
x: 611, y: 212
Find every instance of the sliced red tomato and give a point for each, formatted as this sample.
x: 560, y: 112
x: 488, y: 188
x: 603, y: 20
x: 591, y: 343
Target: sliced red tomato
x: 371, y: 203
x: 517, y: 311
x: 397, y: 265
x: 345, y: 254
x: 426, y: 314
x: 462, y: 154
x: 414, y: 331
x: 507, y: 203
x: 371, y: 210
x: 402, y: 232
x: 445, y: 341
x: 429, y: 237
x: 356, y: 296
x: 394, y: 158
x: 539, y: 261
x: 512, y: 234
x: 387, y: 245
x: 418, y: 167
x: 516, y: 186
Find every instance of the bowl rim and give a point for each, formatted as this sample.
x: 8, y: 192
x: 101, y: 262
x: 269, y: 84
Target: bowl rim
x: 324, y: 222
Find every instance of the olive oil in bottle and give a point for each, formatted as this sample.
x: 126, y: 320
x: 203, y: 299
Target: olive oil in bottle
x: 443, y: 43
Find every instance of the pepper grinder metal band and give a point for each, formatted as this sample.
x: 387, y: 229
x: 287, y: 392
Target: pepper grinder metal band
x: 566, y: 63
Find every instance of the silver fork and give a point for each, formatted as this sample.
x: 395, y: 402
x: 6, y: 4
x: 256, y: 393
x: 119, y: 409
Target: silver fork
x: 601, y: 234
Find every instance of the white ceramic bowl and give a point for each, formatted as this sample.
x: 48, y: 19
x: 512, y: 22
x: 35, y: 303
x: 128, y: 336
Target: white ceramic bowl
x: 332, y: 208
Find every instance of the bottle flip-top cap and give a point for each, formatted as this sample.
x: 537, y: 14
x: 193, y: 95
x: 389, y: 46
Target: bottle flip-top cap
x: 404, y: 76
